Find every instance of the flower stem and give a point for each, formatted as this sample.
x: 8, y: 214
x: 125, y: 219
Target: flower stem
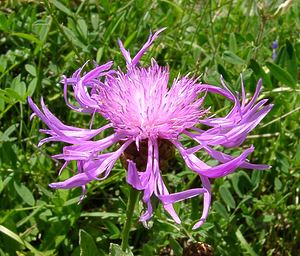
x: 133, y: 196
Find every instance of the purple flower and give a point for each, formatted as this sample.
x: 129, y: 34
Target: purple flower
x: 142, y: 109
x: 274, y: 47
x: 274, y: 44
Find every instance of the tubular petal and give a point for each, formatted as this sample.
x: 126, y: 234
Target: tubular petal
x: 206, y: 202
x: 160, y: 188
x: 195, y: 164
x: 132, y: 176
x: 151, y: 39
x: 90, y: 173
x: 224, y: 158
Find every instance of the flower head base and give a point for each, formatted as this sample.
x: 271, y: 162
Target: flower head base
x: 144, y: 113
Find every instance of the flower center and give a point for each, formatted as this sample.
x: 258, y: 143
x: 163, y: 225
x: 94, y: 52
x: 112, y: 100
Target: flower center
x: 139, y: 157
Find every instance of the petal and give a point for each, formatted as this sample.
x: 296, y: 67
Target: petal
x: 255, y: 96
x: 133, y: 177
x: 148, y: 213
x: 91, y: 170
x: 206, y: 202
x: 228, y: 133
x: 147, y: 177
x: 73, y: 107
x: 160, y: 188
x: 126, y: 54
x: 63, y: 167
x: 109, y: 162
x: 75, y: 181
x: 83, y: 97
x: 80, y: 86
x: 141, y: 52
x: 218, y: 90
x: 221, y: 170
x: 168, y: 205
x: 224, y: 158
x: 232, y: 130
x: 60, y: 131
x: 180, y: 196
x: 96, y: 72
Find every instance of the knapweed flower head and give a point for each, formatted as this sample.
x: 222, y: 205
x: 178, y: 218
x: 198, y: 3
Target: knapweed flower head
x: 142, y: 110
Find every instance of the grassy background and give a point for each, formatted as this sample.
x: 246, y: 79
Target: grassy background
x: 253, y: 212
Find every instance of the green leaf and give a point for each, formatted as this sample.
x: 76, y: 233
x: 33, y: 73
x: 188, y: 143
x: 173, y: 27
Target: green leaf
x: 30, y: 69
x: 72, y: 37
x: 260, y: 73
x: 176, y: 247
x: 281, y: 56
x: 241, y: 183
x: 4, y: 183
x: 28, y: 37
x: 227, y: 197
x: 223, y: 72
x: 4, y: 95
x: 10, y: 130
x: 297, y: 155
x: 147, y: 250
x: 116, y: 250
x: 3, y: 63
x: 281, y: 75
x: 99, y: 54
x: 102, y: 215
x: 24, y: 193
x: 31, y: 87
x: 44, y: 191
x: 268, y: 218
x: 83, y: 28
x: 235, y: 184
x: 17, y: 238
x: 232, y: 58
x: 21, y: 90
x: 129, y: 39
x: 95, y: 21
x: 173, y: 4
x: 12, y: 94
x: 113, y: 26
x: 278, y: 184
x: 18, y: 89
x: 232, y: 43
x: 59, y: 239
x: 113, y: 229
x: 220, y: 209
x: 8, y: 154
x: 255, y: 178
x: 62, y: 7
x: 291, y: 60
x: 5, y: 135
x: 244, y: 243
x: 87, y: 244
x: 3, y: 22
x: 2, y: 103
x: 297, y: 50
x: 28, y: 217
x: 43, y: 28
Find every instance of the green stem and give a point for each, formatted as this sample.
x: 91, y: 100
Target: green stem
x: 133, y: 196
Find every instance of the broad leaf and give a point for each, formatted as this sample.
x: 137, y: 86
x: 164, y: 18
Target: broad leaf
x: 281, y: 75
x: 87, y: 244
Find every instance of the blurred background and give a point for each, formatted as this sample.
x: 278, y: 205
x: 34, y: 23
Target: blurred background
x: 253, y: 212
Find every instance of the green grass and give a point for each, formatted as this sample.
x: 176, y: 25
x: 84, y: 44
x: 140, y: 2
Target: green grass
x: 259, y: 212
